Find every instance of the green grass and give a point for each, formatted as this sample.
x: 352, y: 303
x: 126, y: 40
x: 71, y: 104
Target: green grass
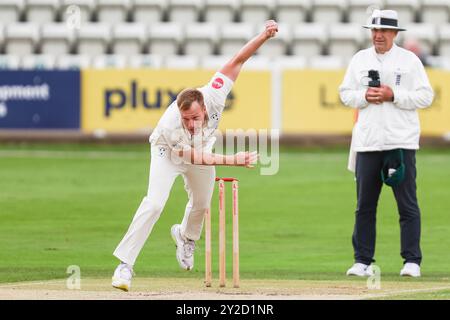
x: 57, y: 211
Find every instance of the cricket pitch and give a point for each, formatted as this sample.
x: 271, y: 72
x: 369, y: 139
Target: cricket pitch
x: 193, y: 289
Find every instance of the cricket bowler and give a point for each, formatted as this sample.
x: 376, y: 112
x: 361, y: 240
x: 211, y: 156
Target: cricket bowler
x: 181, y: 144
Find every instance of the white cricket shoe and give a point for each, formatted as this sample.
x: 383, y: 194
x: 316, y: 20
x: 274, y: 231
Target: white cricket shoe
x: 410, y: 269
x: 185, y: 248
x: 122, y: 277
x: 360, y: 270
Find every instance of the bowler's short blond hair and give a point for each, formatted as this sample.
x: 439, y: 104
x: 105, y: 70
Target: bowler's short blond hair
x: 186, y: 97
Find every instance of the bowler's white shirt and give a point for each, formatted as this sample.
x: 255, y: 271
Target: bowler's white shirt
x: 170, y: 131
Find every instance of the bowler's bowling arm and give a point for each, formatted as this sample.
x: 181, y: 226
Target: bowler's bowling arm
x: 243, y: 159
x: 233, y: 67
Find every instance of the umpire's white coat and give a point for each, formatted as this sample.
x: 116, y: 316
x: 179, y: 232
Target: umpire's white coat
x: 165, y: 167
x: 390, y: 125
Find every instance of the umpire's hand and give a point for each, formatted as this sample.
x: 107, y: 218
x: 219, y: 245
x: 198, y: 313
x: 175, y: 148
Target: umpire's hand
x: 378, y: 95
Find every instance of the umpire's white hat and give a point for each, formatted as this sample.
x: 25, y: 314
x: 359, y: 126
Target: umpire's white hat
x: 384, y: 19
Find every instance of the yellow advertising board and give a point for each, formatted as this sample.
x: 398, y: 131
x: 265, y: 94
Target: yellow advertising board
x: 311, y: 103
x: 134, y: 100
x: 435, y: 120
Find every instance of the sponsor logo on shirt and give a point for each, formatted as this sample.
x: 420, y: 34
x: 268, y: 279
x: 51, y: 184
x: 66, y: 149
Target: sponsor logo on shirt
x: 217, y: 83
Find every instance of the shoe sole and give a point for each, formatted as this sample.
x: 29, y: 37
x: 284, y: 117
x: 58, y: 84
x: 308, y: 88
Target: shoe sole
x: 176, y: 246
x: 122, y: 286
x: 357, y: 275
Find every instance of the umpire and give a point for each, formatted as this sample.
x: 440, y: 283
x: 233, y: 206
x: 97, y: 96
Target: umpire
x: 387, y: 84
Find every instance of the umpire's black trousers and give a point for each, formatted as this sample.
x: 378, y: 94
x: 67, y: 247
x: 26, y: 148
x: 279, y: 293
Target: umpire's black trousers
x: 368, y: 188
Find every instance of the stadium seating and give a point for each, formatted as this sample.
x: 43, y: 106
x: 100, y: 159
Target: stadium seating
x: 148, y: 11
x: 220, y: 11
x: 184, y: 11
x: 10, y: 10
x: 279, y: 45
x: 56, y: 39
x: 164, y: 38
x: 345, y: 40
x: 257, y: 63
x: 425, y: 33
x: 328, y: 11
x: 181, y: 62
x: 444, y: 40
x: 367, y: 39
x: 435, y: 11
x: 233, y: 36
x: 406, y: 9
x: 292, y: 11
x: 255, y: 11
x: 113, y: 11
x: 326, y: 62
x: 214, y: 62
x: 77, y: 9
x: 2, y: 37
x: 359, y: 10
x: 200, y: 39
x: 291, y: 62
x: 41, y: 11
x: 309, y: 39
x: 93, y: 39
x: 208, y: 30
x: 21, y: 38
x: 128, y: 38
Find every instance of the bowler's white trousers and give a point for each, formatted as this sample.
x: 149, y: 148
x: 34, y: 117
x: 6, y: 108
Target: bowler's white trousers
x: 199, y: 184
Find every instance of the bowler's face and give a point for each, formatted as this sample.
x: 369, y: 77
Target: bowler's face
x: 194, y: 117
x: 383, y: 39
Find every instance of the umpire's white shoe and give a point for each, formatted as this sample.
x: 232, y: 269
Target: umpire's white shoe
x: 185, y: 248
x: 122, y: 277
x: 360, y: 270
x: 410, y: 269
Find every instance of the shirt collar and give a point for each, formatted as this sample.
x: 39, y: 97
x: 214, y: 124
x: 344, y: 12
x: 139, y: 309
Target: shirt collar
x: 387, y: 53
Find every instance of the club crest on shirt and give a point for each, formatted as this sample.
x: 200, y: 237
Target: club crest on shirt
x: 162, y: 151
x: 217, y: 83
x: 215, y: 117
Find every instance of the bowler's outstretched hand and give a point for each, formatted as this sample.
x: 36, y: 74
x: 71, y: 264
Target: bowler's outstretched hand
x: 271, y: 28
x: 246, y: 159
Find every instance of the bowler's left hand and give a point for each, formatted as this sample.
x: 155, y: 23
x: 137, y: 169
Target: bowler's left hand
x: 271, y: 28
